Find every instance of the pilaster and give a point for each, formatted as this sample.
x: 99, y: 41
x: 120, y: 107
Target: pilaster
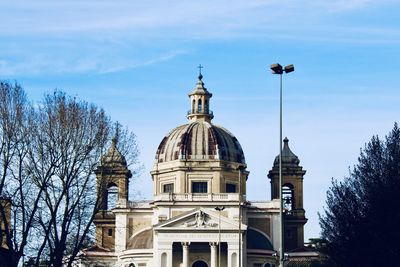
x: 233, y: 254
x: 120, y: 231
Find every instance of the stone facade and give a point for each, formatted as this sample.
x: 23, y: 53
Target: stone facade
x: 200, y: 215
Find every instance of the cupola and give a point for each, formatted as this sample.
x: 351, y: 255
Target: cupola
x: 200, y: 102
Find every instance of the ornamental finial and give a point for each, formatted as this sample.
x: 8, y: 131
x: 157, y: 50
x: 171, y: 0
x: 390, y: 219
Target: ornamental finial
x: 200, y: 75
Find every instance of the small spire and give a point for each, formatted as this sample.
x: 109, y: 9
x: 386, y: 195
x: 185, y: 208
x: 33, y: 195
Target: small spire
x: 114, y: 142
x: 286, y: 141
x: 200, y: 75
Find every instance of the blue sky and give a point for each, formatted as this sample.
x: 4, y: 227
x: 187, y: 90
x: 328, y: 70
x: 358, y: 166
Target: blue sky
x: 137, y: 59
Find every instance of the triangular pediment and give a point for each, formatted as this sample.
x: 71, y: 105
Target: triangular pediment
x: 199, y: 218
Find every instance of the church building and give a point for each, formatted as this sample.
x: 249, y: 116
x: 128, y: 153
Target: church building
x: 200, y: 214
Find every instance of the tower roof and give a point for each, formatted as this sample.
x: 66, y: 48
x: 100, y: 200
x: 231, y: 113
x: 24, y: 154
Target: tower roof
x: 288, y: 157
x: 199, y: 89
x: 113, y: 155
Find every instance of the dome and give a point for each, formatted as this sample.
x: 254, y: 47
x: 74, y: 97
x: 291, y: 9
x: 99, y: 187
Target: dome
x: 143, y: 240
x: 200, y: 140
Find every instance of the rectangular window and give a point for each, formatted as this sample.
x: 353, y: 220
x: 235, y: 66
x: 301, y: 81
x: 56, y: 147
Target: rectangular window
x: 230, y: 188
x: 110, y: 232
x: 168, y: 188
x: 199, y: 187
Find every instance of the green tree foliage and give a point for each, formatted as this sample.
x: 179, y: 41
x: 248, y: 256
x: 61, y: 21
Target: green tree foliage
x: 362, y: 218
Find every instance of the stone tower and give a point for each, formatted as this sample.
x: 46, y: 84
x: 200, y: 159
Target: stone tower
x: 294, y: 214
x: 112, y: 188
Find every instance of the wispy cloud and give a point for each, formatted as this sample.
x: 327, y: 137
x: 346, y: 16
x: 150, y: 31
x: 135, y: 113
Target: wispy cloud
x: 22, y: 17
x: 105, y: 36
x: 129, y: 65
x: 41, y: 63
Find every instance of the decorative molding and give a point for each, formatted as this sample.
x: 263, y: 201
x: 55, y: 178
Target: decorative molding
x: 201, y: 220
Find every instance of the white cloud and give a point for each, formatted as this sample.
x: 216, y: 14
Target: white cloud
x: 98, y: 36
x: 40, y: 63
x: 131, y: 64
x: 21, y: 17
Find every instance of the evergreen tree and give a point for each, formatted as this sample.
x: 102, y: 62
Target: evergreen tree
x: 361, y: 223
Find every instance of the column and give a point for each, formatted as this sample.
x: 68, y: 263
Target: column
x: 185, y: 250
x: 214, y: 258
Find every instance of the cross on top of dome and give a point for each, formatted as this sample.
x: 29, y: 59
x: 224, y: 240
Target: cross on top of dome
x: 200, y: 75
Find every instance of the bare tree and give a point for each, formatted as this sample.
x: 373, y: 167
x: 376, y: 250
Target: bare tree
x: 49, y: 174
x: 75, y: 135
x: 15, y: 183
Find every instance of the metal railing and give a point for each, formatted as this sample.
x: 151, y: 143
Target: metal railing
x: 199, y: 197
x: 206, y: 112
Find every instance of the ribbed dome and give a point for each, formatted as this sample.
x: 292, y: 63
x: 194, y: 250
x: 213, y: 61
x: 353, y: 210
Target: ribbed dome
x: 143, y: 240
x: 200, y: 140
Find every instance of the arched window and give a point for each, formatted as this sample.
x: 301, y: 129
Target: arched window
x: 199, y: 263
x: 112, y: 196
x: 131, y: 265
x: 199, y: 106
x: 206, y: 106
x: 193, y: 105
x: 257, y: 240
x: 288, y: 197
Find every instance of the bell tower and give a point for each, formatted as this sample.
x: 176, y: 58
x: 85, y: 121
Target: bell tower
x: 113, y: 179
x: 292, y: 194
x: 112, y: 188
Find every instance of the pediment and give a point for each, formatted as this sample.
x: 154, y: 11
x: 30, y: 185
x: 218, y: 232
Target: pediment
x: 199, y: 218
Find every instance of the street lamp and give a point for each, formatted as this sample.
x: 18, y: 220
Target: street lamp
x: 278, y: 69
x: 240, y: 167
x: 219, y: 209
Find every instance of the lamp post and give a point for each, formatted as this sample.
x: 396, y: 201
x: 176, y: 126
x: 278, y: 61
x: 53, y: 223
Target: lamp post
x: 219, y: 209
x: 240, y: 167
x: 278, y: 69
